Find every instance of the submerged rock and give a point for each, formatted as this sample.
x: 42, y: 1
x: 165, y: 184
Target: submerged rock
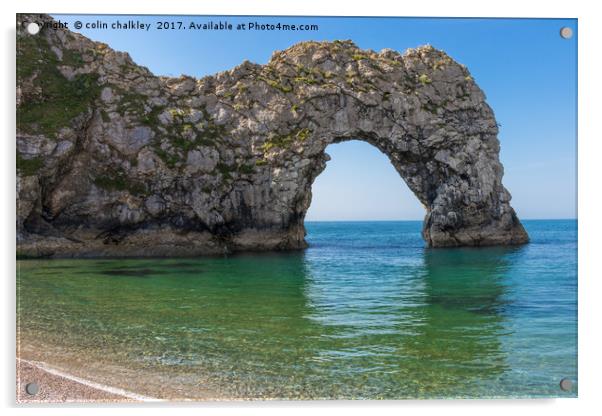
x: 160, y: 166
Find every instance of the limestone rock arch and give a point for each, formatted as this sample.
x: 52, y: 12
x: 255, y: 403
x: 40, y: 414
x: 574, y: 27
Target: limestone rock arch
x: 179, y: 166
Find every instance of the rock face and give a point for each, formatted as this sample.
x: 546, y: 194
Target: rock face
x: 115, y: 161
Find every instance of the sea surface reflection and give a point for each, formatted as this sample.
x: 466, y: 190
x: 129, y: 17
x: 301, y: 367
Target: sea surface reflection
x: 365, y: 312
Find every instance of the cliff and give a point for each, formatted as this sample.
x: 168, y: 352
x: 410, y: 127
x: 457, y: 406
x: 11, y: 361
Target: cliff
x: 115, y: 161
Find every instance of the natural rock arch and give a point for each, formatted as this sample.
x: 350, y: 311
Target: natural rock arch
x: 177, y: 166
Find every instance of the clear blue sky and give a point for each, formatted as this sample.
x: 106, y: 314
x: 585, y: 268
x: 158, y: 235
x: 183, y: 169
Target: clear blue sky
x: 527, y: 71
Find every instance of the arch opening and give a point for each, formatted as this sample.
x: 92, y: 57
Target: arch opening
x: 360, y: 183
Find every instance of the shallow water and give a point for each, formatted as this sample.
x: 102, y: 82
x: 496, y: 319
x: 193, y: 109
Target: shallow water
x: 365, y: 312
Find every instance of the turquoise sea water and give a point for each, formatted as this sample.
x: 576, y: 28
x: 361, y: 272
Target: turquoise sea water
x: 365, y: 312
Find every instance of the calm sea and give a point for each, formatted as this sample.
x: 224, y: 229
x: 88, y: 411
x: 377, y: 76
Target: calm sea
x: 365, y: 312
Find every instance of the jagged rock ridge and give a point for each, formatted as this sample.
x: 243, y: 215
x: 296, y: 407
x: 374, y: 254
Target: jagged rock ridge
x: 115, y: 161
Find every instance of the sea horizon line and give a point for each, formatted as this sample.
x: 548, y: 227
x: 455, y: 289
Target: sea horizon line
x: 420, y: 220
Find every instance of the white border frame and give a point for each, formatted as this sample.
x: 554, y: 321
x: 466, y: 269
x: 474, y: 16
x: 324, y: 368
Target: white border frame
x: 589, y: 200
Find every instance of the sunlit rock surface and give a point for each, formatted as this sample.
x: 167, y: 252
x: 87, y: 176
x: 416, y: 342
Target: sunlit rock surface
x: 115, y: 161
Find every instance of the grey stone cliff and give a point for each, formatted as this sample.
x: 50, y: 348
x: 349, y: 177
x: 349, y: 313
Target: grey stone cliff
x: 115, y: 161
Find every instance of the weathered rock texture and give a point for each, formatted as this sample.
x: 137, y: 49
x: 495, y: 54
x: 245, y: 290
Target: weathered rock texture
x: 113, y: 160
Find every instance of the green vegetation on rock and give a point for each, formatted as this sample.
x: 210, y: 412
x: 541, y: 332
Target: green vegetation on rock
x: 170, y: 159
x: 246, y: 169
x: 424, y: 79
x: 29, y: 167
x: 118, y: 180
x: 150, y: 119
x: 131, y: 104
x: 277, y: 85
x: 225, y: 170
x: 283, y: 141
x: 308, y: 76
x: 182, y: 136
x: 56, y: 101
